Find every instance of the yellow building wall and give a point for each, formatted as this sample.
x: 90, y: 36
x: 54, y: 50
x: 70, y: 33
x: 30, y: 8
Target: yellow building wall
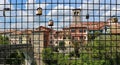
x: 38, y: 43
x: 24, y: 40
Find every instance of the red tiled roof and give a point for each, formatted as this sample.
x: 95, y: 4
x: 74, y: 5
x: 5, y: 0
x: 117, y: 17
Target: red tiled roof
x: 89, y: 25
x: 58, y: 32
x: 16, y: 32
x: 43, y: 28
x: 36, y: 30
x: 7, y: 31
x: 26, y: 32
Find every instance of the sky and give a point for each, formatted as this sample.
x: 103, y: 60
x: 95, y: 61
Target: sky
x: 22, y: 14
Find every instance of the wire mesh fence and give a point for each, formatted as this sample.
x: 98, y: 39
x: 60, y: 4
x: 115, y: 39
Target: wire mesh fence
x: 59, y: 32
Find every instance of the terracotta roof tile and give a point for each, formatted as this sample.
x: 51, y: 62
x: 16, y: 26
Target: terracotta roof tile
x: 26, y: 32
x: 43, y: 28
x: 7, y: 31
x: 16, y: 32
x: 89, y: 25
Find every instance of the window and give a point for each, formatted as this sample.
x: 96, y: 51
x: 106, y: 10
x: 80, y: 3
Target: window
x: 76, y: 13
x: 80, y: 30
x: 29, y: 40
x: 64, y: 37
x: 56, y: 42
x: 82, y: 37
x: 51, y: 37
x: 91, y: 31
x: 60, y: 37
x: 55, y: 36
x: 75, y: 38
x: 45, y: 41
x: 84, y: 30
x: 73, y: 30
x: 72, y: 37
x: 51, y: 42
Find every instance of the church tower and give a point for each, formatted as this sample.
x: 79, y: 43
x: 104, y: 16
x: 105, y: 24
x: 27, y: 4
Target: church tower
x: 76, y: 15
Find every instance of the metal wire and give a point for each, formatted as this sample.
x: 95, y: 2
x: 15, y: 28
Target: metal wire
x: 67, y: 32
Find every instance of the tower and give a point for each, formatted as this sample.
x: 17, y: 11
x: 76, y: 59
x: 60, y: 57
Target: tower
x: 76, y: 15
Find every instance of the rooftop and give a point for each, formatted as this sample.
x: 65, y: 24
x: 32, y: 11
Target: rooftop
x: 77, y: 9
x: 89, y: 25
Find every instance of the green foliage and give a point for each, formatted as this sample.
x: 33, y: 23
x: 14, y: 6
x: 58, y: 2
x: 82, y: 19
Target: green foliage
x: 104, y: 51
x: 69, y: 36
x: 72, y: 54
x: 48, y: 56
x: 62, y: 45
x: 16, y: 58
x: 4, y: 40
x: 100, y: 51
x: 52, y: 58
x: 56, y: 49
x: 75, y: 62
x: 76, y: 45
x: 92, y: 36
x: 62, y: 59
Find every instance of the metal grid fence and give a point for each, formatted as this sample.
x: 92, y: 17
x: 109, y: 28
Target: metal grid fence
x: 59, y: 32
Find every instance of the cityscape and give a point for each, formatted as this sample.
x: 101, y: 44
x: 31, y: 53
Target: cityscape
x: 81, y: 42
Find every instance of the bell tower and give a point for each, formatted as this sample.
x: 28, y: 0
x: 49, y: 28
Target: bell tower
x: 76, y: 15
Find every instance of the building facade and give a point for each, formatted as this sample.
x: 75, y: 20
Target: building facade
x: 15, y: 37
x: 25, y: 36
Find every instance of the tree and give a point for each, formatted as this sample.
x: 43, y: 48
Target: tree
x: 16, y: 58
x: 76, y: 45
x: 48, y: 56
x: 4, y: 40
x: 62, y: 45
x: 103, y: 50
x: 92, y: 36
x: 51, y: 58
